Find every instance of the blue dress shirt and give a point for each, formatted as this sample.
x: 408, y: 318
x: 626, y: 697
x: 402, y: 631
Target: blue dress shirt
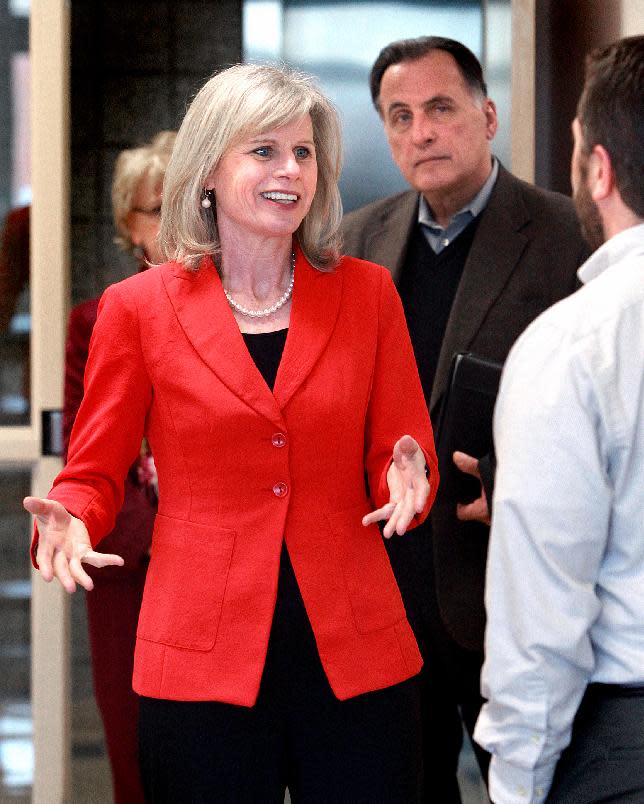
x: 439, y: 237
x: 565, y: 576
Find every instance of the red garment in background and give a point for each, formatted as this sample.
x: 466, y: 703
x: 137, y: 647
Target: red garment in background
x: 14, y: 262
x: 14, y: 277
x: 113, y: 605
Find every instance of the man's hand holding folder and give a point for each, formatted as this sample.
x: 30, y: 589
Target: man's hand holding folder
x: 464, y: 435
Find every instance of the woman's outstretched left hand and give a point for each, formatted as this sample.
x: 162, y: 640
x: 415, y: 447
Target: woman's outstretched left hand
x: 408, y: 488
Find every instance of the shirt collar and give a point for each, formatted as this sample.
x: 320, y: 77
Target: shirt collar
x: 612, y: 251
x: 473, y: 208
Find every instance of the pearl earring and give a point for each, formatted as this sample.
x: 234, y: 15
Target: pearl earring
x: 207, y: 198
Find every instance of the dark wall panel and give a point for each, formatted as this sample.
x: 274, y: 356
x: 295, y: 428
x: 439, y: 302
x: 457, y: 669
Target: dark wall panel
x: 566, y: 31
x: 135, y: 66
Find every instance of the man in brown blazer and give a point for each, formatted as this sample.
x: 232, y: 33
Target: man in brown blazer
x: 476, y: 254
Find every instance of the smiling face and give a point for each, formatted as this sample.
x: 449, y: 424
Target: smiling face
x: 438, y: 131
x: 264, y: 185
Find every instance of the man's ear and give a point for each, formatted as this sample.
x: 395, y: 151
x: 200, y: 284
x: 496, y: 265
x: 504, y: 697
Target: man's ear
x: 492, y: 122
x: 601, y: 176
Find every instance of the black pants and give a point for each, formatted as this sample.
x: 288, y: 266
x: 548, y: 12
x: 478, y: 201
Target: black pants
x: 450, y: 699
x: 605, y: 759
x: 298, y: 735
x: 450, y: 678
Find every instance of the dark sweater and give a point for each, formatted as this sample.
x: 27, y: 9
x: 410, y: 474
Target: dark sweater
x: 427, y: 287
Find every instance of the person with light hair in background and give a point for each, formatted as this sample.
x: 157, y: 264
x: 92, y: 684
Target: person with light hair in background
x: 270, y: 376
x: 137, y: 187
x: 114, y: 604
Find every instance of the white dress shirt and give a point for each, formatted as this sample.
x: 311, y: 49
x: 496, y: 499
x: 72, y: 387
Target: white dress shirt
x: 565, y: 574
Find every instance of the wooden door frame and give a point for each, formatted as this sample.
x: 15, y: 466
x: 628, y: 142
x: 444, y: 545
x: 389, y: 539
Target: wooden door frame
x: 50, y: 226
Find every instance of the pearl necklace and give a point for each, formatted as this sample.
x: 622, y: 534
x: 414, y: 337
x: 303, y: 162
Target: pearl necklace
x: 267, y: 310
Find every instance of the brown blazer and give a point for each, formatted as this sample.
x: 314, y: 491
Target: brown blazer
x: 524, y: 258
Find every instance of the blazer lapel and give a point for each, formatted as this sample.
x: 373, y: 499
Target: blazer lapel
x: 207, y: 320
x: 497, y: 247
x: 390, y: 234
x: 314, y: 312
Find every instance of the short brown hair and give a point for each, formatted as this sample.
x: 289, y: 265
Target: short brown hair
x: 611, y: 114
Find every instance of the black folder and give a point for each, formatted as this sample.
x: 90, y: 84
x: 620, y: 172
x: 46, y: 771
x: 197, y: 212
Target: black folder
x: 465, y: 421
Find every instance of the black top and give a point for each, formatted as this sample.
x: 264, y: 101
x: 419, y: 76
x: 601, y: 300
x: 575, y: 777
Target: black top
x: 427, y: 287
x: 266, y: 350
x: 290, y: 622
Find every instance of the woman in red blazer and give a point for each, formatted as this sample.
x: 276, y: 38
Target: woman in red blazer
x: 276, y: 385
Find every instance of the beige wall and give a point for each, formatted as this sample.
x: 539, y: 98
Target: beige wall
x: 632, y: 17
x: 550, y: 39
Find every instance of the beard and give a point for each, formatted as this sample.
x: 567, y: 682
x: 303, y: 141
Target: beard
x: 590, y: 220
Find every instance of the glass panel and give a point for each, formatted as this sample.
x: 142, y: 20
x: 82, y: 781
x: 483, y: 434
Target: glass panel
x: 498, y: 51
x: 16, y: 746
x: 91, y: 779
x: 102, y: 35
x: 301, y: 32
x: 15, y: 197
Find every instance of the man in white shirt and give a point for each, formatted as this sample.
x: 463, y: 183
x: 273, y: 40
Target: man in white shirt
x: 564, y: 668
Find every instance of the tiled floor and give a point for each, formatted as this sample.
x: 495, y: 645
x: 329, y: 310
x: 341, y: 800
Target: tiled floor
x: 16, y: 754
x: 469, y: 778
x: 90, y: 770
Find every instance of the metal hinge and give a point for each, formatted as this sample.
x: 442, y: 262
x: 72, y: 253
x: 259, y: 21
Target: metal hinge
x: 52, y: 432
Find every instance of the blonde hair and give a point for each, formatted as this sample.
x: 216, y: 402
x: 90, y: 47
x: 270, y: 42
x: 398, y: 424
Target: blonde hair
x: 132, y: 166
x: 241, y: 101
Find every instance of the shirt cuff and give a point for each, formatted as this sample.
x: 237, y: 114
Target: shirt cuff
x: 510, y: 784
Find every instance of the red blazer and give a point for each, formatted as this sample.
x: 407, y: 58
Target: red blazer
x: 241, y: 468
x: 132, y: 533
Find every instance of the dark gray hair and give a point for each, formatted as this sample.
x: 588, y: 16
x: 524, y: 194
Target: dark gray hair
x: 413, y: 49
x: 611, y: 113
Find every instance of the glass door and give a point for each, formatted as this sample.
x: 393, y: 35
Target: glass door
x: 320, y: 38
x: 34, y: 663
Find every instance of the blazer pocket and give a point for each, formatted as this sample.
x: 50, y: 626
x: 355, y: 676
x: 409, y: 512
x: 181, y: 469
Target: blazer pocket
x: 371, y: 585
x: 185, y: 584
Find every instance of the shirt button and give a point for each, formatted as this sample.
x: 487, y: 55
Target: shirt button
x: 445, y: 241
x: 522, y: 791
x: 280, y: 489
x: 278, y: 440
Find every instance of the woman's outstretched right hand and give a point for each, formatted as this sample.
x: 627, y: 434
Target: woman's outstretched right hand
x: 63, y: 544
